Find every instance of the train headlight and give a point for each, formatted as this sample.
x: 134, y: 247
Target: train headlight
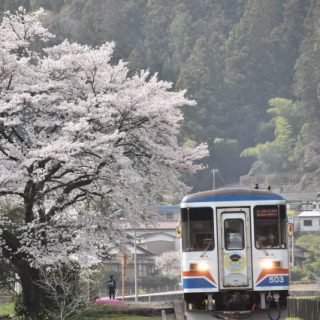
x: 267, y: 264
x: 203, y: 266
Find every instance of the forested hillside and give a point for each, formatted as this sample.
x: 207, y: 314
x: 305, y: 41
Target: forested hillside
x: 252, y: 66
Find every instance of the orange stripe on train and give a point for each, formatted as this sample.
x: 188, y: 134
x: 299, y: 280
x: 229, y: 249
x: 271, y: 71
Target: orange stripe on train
x: 206, y: 274
x: 266, y: 272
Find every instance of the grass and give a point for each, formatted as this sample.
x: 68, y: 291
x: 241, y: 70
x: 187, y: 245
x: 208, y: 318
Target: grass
x: 96, y: 312
x: 7, y: 309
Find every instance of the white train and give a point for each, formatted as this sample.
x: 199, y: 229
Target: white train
x: 234, y: 249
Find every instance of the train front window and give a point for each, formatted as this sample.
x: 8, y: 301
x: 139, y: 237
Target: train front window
x: 233, y: 234
x: 197, y: 229
x: 270, y: 227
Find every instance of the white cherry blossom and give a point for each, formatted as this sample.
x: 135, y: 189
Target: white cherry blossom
x: 80, y: 140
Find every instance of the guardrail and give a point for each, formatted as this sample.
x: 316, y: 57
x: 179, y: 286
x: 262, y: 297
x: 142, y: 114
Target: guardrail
x: 102, y: 292
x: 157, y: 296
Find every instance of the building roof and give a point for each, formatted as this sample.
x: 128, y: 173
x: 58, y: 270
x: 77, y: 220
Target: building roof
x: 168, y: 208
x: 310, y: 214
x: 158, y: 225
x: 303, y: 195
x: 129, y: 246
x: 154, y: 234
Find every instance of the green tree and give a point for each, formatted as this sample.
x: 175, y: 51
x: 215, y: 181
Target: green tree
x: 94, y: 22
x: 180, y: 39
x: 257, y: 49
x: 156, y: 28
x: 278, y: 155
x: 12, y: 5
x: 226, y: 159
x: 312, y: 264
x: 306, y: 85
x: 54, y: 5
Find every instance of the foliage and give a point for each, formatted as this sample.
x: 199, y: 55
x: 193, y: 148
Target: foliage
x: 312, y: 264
x: 7, y: 309
x: 7, y: 277
x: 297, y: 273
x: 66, y: 293
x: 234, y: 57
x: 278, y: 155
x: 20, y: 309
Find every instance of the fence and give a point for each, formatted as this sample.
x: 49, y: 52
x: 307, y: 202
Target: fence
x: 103, y: 292
x: 306, y: 308
x: 5, y: 296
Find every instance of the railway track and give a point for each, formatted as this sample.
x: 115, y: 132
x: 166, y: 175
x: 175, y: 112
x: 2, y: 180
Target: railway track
x: 257, y: 315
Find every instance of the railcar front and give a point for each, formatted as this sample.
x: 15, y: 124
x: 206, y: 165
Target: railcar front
x: 234, y: 249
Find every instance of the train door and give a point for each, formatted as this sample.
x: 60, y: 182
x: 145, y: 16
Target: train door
x: 234, y: 250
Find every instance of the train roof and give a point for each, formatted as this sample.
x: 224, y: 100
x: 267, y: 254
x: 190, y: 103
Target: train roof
x: 232, y: 194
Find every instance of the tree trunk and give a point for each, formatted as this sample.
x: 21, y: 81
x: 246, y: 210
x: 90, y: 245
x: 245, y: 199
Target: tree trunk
x: 31, y: 293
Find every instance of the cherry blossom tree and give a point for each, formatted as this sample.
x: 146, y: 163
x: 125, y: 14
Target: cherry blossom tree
x: 80, y: 141
x: 169, y: 264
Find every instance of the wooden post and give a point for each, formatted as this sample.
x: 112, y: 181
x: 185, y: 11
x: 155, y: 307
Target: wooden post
x: 123, y: 273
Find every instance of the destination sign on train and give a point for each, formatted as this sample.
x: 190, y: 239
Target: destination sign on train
x: 266, y: 212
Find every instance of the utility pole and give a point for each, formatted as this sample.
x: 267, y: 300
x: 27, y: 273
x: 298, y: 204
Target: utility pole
x: 292, y: 244
x: 123, y: 273
x: 135, y: 268
x: 214, y: 171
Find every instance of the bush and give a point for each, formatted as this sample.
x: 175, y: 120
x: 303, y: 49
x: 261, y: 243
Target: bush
x: 297, y: 273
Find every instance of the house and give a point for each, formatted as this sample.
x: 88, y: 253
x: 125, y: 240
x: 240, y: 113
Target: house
x: 147, y: 242
x: 159, y: 242
x: 308, y: 221
x: 160, y: 237
x: 169, y: 212
x: 125, y: 258
x: 121, y: 264
x: 302, y: 200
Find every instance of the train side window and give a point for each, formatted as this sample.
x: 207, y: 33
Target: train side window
x: 233, y: 234
x: 270, y: 227
x: 197, y: 229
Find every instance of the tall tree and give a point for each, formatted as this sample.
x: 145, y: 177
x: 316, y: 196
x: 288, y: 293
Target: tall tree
x: 180, y: 39
x: 307, y: 83
x: 156, y: 30
x: 257, y: 49
x: 96, y: 21
x: 12, y: 5
x: 75, y: 131
x: 277, y: 155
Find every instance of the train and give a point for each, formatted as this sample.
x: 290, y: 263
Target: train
x: 234, y: 250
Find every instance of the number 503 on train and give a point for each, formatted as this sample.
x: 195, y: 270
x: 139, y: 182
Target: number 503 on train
x: 234, y: 249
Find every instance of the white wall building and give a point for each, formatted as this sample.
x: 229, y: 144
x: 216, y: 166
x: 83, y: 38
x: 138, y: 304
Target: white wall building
x: 309, y: 221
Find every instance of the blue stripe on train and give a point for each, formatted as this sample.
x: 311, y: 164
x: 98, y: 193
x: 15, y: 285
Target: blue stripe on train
x: 196, y: 283
x: 274, y: 281
x: 232, y: 197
